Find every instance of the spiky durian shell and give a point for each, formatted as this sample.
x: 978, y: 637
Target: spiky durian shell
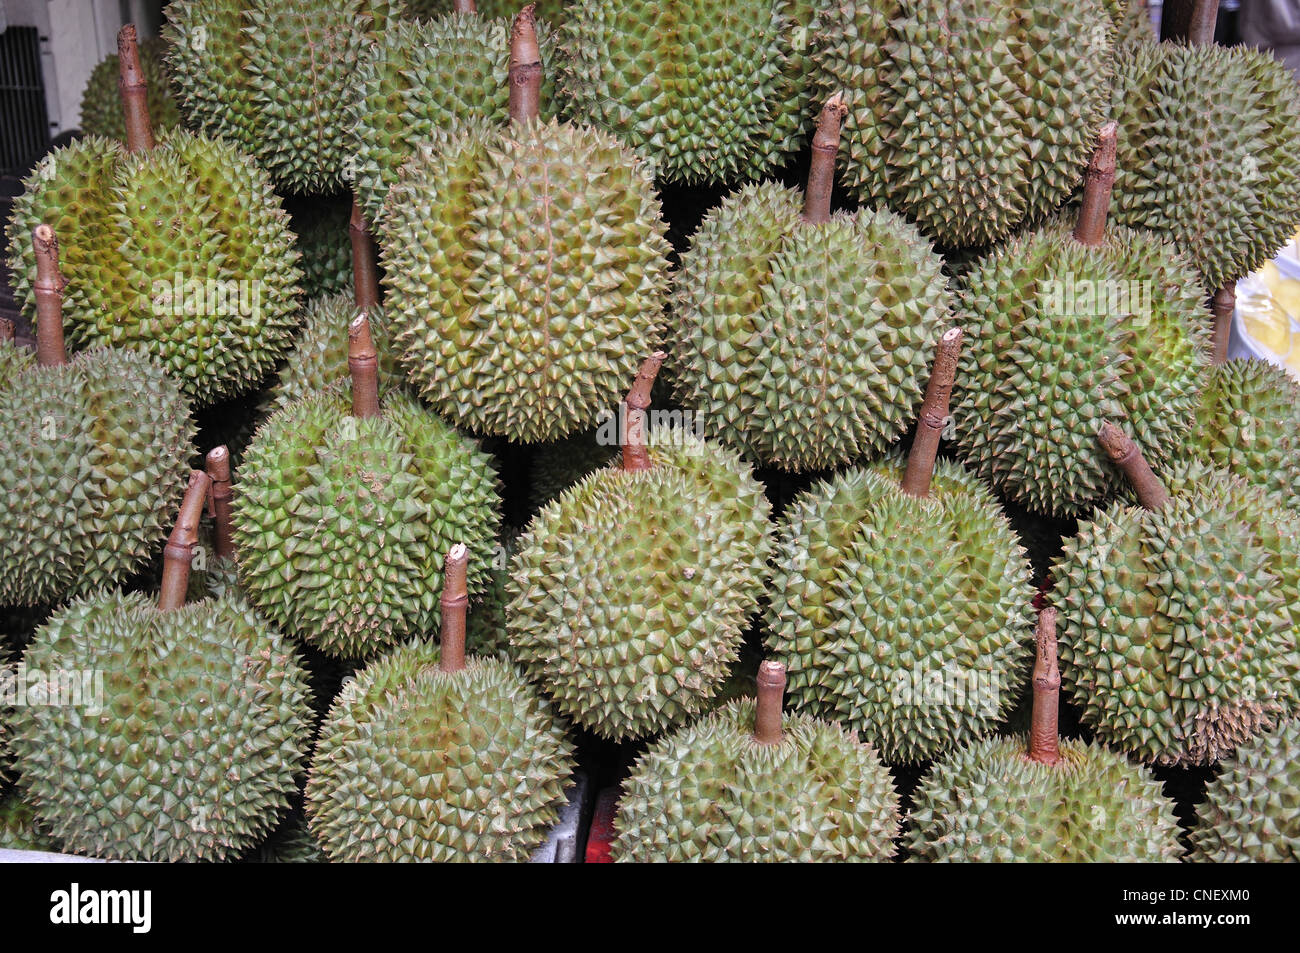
x: 557, y: 466
x: 341, y: 523
x: 527, y: 274
x: 101, y: 100
x: 193, y: 752
x: 806, y: 346
x: 709, y: 793
x: 292, y: 843
x: 1251, y: 812
x: 1248, y: 423
x: 418, y: 764
x: 275, y: 77
x: 1207, y: 146
x: 485, y: 626
x: 630, y: 592
x: 551, y: 11
x: 20, y: 829
x: 905, y: 619
x: 970, y: 119
x: 988, y: 802
x: 419, y: 81
x: 1177, y: 637
x: 1132, y: 21
x: 319, y: 359
x: 710, y: 92
x: 96, y: 455
x: 181, y: 252
x: 1041, y: 371
x: 321, y: 229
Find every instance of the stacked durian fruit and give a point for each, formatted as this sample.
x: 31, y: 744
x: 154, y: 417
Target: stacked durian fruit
x: 901, y: 507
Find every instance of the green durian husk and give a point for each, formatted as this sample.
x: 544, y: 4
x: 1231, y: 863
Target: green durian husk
x: 416, y: 764
x: 630, y: 592
x: 905, y: 619
x: 341, y: 524
x: 181, y: 252
x: 193, y: 750
x: 1251, y: 812
x: 1177, y: 632
x: 988, y: 802
x: 96, y: 458
x: 527, y: 276
x: 710, y: 793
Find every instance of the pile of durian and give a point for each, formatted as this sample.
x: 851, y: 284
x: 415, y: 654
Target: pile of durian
x: 810, y: 416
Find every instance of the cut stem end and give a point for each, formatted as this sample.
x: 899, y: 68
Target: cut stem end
x: 1125, y: 454
x: 134, y: 90
x: 455, y: 602
x: 1044, y: 737
x: 771, y: 696
x: 934, y: 415
x: 636, y: 453
x: 1099, y: 180
x: 821, y: 170
x: 48, y: 289
x: 218, y: 467
x: 179, y: 551
x: 1223, y: 305
x: 525, y: 76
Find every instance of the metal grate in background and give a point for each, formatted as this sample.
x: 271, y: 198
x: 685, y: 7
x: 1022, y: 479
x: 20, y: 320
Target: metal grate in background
x: 24, y: 122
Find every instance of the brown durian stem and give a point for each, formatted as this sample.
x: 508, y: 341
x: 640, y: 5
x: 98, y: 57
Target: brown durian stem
x: 1044, y: 741
x: 218, y: 467
x: 6, y: 330
x: 464, y: 6
x: 455, y: 600
x: 48, y: 289
x: 1098, y: 180
x: 934, y: 414
x: 1125, y: 454
x: 365, y: 269
x: 525, y: 76
x: 636, y: 455
x: 179, y: 551
x: 363, y: 364
x: 771, y: 696
x: 821, y: 171
x: 135, y: 92
x: 1223, y: 305
x: 1191, y: 20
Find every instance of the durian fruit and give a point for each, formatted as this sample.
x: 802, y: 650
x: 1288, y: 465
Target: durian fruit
x: 342, y: 513
x: 101, y: 102
x: 970, y: 119
x: 1038, y: 799
x: 1132, y: 22
x: 320, y: 227
x: 419, y: 81
x: 20, y: 829
x: 191, y: 725
x: 1251, y: 812
x: 630, y: 592
x: 1248, y: 423
x: 1069, y: 329
x: 900, y: 602
x: 710, y: 91
x: 557, y: 466
x: 292, y: 843
x: 178, y: 250
x: 277, y: 78
x: 1179, y: 627
x: 1207, y: 158
x: 94, y: 449
x: 741, y: 785
x: 526, y: 268
x: 432, y: 756
x: 549, y: 11
x: 805, y: 336
x: 319, y: 358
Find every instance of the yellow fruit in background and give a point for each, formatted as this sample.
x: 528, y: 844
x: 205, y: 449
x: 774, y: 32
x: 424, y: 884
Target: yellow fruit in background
x: 1287, y: 294
x: 1270, y: 275
x: 1269, y: 326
